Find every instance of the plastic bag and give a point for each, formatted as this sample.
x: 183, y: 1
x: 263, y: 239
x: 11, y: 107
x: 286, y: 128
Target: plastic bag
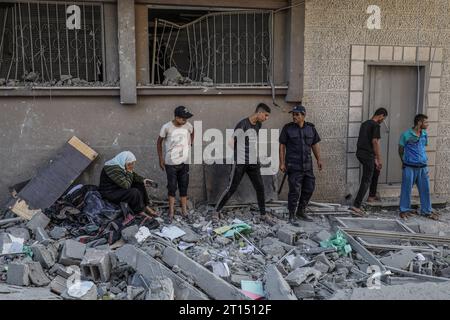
x: 339, y: 242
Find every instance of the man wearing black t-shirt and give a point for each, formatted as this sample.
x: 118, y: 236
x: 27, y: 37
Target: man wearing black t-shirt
x: 368, y: 153
x: 246, y: 161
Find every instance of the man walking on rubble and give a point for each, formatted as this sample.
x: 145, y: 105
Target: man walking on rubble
x: 297, y: 139
x: 412, y: 151
x: 246, y: 161
x: 368, y: 153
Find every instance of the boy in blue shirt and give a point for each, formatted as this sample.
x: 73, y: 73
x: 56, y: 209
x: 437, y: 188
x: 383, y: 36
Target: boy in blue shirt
x: 412, y: 150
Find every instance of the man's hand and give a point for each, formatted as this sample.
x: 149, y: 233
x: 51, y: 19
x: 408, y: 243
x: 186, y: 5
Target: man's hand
x: 283, y: 167
x: 378, y: 164
x: 162, y: 164
x: 150, y: 183
x: 319, y: 165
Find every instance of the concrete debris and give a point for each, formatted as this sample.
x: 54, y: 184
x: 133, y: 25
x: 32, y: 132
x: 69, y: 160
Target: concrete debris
x: 304, y: 291
x: 38, y: 220
x: 161, y: 289
x: 58, y: 233
x: 46, y: 256
x: 37, y: 275
x: 8, y: 292
x: 400, y: 260
x: 129, y: 234
x: 275, y: 286
x: 72, y: 253
x: 96, y: 265
x: 18, y: 274
x: 58, y: 285
x: 301, y: 275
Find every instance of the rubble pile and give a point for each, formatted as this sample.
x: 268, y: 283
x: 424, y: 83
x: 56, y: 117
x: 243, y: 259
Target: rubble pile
x: 172, y: 77
x: 33, y: 79
x: 68, y: 252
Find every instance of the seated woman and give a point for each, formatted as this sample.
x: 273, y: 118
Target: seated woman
x: 119, y: 183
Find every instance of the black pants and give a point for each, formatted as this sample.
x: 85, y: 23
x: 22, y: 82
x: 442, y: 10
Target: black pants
x: 301, y: 189
x: 136, y: 196
x: 237, y: 173
x: 369, y: 180
x: 177, y: 177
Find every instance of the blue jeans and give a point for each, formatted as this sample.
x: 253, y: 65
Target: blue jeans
x: 418, y: 176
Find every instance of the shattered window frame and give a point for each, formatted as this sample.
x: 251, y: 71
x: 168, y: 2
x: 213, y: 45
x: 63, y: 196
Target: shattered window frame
x: 41, y: 50
x: 179, y: 58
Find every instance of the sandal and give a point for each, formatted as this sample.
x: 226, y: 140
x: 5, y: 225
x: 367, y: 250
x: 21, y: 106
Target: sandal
x: 215, y: 217
x: 433, y: 216
x: 404, y: 215
x: 152, y: 212
x: 357, y: 212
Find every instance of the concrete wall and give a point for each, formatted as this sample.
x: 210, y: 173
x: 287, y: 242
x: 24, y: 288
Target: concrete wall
x: 34, y: 128
x: 332, y: 27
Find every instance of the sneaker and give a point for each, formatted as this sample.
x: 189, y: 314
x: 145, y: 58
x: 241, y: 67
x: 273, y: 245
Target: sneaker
x: 293, y: 220
x: 301, y: 214
x: 267, y: 219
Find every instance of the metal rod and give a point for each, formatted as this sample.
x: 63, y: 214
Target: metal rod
x: 155, y: 26
x: 231, y: 52
x: 5, y: 17
x: 246, y: 48
x: 76, y: 52
x: 23, y: 48
x: 167, y: 46
x: 13, y: 21
x: 93, y: 42
x: 41, y: 49
x: 159, y: 49
x: 201, y: 47
x: 250, y: 243
x: 196, y: 55
x: 85, y: 43
x: 17, y: 44
x: 397, y: 235
x: 254, y: 47
x: 57, y: 36
x: 190, y: 53
x: 11, y: 220
x: 173, y: 48
x: 31, y: 41
x: 209, y: 49
x: 67, y: 44
x: 49, y: 44
x: 215, y: 51
x: 262, y: 48
x: 223, y: 58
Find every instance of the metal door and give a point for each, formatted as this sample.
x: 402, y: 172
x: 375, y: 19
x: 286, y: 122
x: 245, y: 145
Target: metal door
x: 399, y: 89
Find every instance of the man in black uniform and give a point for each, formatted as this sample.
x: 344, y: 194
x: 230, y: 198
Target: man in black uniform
x: 246, y: 161
x: 297, y: 139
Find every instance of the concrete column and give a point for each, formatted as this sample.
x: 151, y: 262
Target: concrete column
x: 142, y: 47
x: 127, y: 51
x: 296, y: 53
x: 111, y: 42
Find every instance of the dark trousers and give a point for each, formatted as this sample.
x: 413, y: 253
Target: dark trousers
x: 237, y: 173
x: 177, y: 178
x: 301, y: 189
x: 369, y: 180
x: 136, y: 196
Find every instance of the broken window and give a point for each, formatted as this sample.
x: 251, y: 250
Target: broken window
x: 54, y: 42
x: 210, y: 48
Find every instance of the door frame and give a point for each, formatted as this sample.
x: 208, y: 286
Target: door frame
x: 366, y: 93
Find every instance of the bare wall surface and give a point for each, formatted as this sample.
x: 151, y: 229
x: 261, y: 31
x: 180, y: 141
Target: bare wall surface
x: 33, y: 129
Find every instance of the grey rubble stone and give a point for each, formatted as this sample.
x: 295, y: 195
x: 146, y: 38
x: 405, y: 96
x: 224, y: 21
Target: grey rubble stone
x: 129, y: 233
x: 322, y: 235
x: 72, y: 253
x: 18, y: 274
x: 400, y: 259
x: 307, y: 243
x: 90, y: 295
x: 96, y: 265
x: 18, y: 232
x: 135, y: 293
x: 237, y: 278
x: 301, y: 275
x: 213, y: 285
x: 161, y: 289
x: 58, y: 285
x: 143, y: 264
x: 46, y: 256
x: 58, y: 233
x: 41, y: 235
x: 37, y: 275
x: 322, y: 267
x: 8, y: 292
x: 172, y: 75
x: 304, y: 291
x: 287, y: 236
x: 190, y: 236
x: 222, y: 240
x: 275, y: 286
x: 38, y: 220
x: 323, y: 258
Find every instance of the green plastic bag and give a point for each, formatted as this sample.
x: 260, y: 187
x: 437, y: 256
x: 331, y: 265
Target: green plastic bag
x: 339, y: 242
x: 27, y: 250
x: 231, y: 230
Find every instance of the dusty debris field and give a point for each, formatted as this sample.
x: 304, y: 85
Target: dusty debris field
x: 52, y: 256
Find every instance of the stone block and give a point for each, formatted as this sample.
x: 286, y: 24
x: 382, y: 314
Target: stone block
x: 433, y: 100
x: 18, y: 274
x: 37, y: 275
x: 303, y: 275
x: 353, y: 129
x: 357, y: 68
x: 96, y: 265
x: 58, y: 233
x: 358, y: 52
x: 275, y: 286
x: 356, y: 99
x: 41, y: 235
x: 352, y: 143
x: 38, y: 220
x: 352, y: 161
x: 436, y: 69
x: 320, y: 236
x: 323, y: 258
x: 400, y: 259
x: 17, y: 232
x: 304, y: 291
x: 129, y: 233
x: 434, y: 85
x: 409, y: 54
x: 386, y: 53
x: 436, y: 54
x: 372, y: 53
x: 433, y: 129
x: 72, y: 253
x: 423, y: 54
x: 433, y: 115
x: 58, y: 285
x: 46, y: 256
x: 287, y: 236
x: 356, y: 83
x: 398, y: 53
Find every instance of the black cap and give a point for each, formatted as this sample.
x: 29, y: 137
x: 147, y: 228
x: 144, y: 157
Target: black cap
x: 298, y: 109
x: 182, y: 112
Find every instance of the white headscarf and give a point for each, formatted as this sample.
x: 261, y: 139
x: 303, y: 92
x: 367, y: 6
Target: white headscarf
x: 121, y: 159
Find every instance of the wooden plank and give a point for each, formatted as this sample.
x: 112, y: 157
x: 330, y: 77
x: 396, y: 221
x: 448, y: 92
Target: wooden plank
x: 54, y: 179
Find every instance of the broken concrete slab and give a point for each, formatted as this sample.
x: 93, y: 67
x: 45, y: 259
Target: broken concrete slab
x: 322, y: 235
x: 58, y: 233
x: 58, y: 285
x: 46, y: 256
x: 151, y: 268
x: 323, y: 258
x: 322, y: 267
x: 400, y: 259
x: 287, y: 236
x: 9, y: 292
x: 275, y: 286
x: 304, y: 291
x: 212, y: 284
x: 37, y: 275
x: 135, y: 293
x: 96, y: 265
x: 72, y: 253
x: 18, y: 232
x: 38, y: 220
x: 18, y: 274
x: 190, y: 236
x: 161, y: 289
x: 129, y: 234
x: 301, y: 275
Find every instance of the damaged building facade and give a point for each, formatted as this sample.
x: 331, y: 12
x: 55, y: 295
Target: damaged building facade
x: 111, y: 73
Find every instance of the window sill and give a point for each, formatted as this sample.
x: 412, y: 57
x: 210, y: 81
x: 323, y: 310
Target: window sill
x: 141, y: 91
